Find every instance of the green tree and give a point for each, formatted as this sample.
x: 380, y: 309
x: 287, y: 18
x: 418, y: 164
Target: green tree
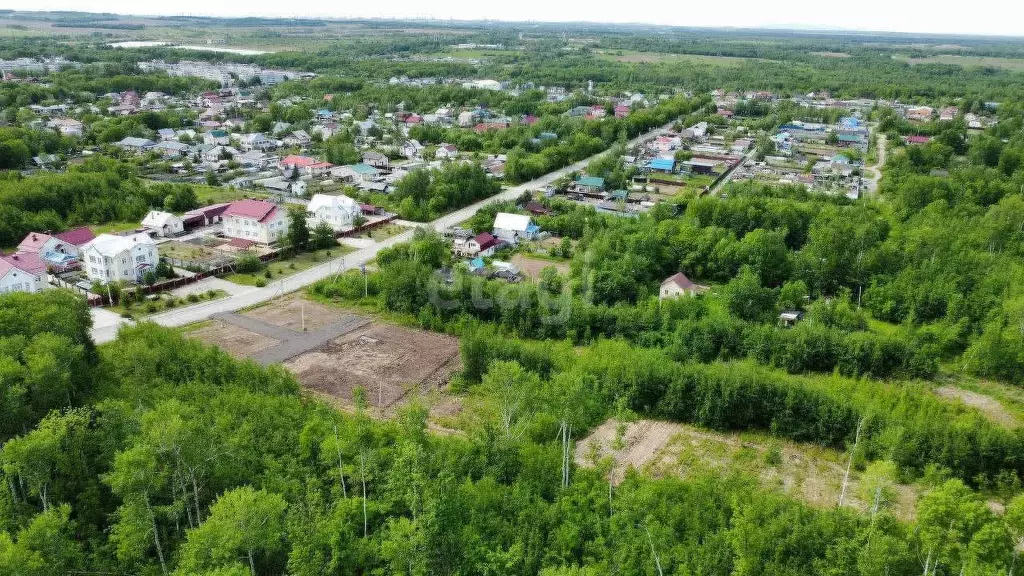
x: 243, y: 523
x: 298, y: 229
x: 323, y: 236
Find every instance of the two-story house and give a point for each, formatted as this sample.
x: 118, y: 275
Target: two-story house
x: 109, y: 258
x: 256, y: 220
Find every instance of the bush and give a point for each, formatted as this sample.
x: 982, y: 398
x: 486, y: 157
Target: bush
x: 248, y: 264
x: 193, y: 298
x: 151, y: 307
x: 260, y: 282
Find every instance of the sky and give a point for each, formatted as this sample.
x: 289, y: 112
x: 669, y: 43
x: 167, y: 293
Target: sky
x: 988, y: 17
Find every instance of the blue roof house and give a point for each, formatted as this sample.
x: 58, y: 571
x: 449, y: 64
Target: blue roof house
x: 662, y: 164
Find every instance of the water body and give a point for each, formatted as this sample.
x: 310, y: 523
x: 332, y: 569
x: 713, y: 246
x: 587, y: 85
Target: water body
x: 152, y: 43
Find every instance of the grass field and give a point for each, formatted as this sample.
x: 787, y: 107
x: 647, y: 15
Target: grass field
x: 282, y: 268
x: 630, y: 56
x: 114, y: 227
x: 1011, y: 64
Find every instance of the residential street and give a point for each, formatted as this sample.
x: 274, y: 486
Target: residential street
x: 107, y: 331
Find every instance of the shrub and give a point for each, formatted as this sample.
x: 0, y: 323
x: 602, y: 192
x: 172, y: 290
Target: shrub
x: 260, y: 282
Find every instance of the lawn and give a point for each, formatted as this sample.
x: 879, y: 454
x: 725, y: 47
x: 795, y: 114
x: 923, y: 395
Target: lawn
x: 218, y: 194
x: 115, y: 227
x: 279, y: 269
x: 383, y: 233
x: 165, y: 302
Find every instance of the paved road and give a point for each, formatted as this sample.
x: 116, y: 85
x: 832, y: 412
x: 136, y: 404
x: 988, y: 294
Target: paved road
x: 204, y: 310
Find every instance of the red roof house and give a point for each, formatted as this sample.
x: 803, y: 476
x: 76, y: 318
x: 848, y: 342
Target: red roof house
x: 258, y: 210
x: 76, y: 236
x: 917, y: 139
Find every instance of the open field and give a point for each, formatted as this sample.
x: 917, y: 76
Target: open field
x: 390, y: 363
x: 1011, y: 64
x: 831, y: 54
x: 630, y: 56
x: 663, y: 449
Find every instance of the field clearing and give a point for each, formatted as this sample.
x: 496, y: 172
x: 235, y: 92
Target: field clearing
x: 664, y: 449
x: 990, y: 407
x: 390, y: 363
x: 234, y: 340
x: 1011, y: 64
x: 632, y: 57
x: 533, y: 266
x: 831, y: 54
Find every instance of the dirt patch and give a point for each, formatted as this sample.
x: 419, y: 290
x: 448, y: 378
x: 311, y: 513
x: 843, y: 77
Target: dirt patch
x: 533, y: 266
x: 661, y: 449
x: 987, y: 405
x: 831, y: 54
x: 390, y: 363
x: 288, y: 313
x: 234, y: 340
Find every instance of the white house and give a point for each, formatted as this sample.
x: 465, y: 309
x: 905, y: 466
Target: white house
x: 218, y: 153
x: 679, y: 285
x: 23, y: 272
x: 338, y: 212
x: 109, y: 258
x: 514, y: 227
x: 216, y: 138
x: 446, y: 151
x: 256, y: 141
x: 163, y: 223
x: 483, y: 244
x: 66, y: 126
x: 256, y: 220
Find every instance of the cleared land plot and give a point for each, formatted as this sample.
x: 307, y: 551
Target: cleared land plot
x: 288, y: 313
x: 629, y: 56
x: 1011, y: 64
x: 234, y: 340
x: 194, y: 252
x: 990, y: 407
x: 663, y: 449
x: 831, y: 54
x: 391, y: 363
x: 533, y: 266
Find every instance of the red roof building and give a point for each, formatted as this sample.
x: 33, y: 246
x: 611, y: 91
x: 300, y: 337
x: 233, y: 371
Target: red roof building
x: 917, y: 139
x: 485, y: 240
x: 296, y: 161
x: 76, y: 236
x: 258, y: 210
x: 26, y: 261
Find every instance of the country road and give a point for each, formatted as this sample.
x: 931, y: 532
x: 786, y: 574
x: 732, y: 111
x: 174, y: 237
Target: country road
x: 105, y: 328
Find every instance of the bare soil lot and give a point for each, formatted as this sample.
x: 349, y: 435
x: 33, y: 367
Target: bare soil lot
x: 288, y: 312
x: 234, y: 340
x: 532, y: 266
x: 663, y: 449
x: 391, y: 363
